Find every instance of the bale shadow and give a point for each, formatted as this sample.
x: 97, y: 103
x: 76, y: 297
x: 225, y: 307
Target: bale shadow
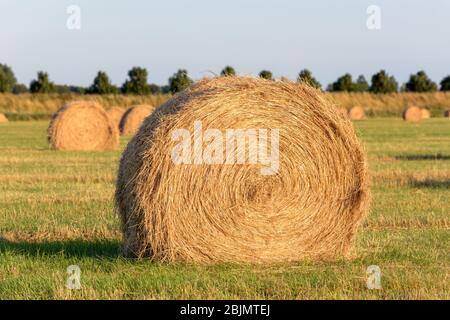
x: 431, y: 183
x: 414, y: 157
x: 108, y: 249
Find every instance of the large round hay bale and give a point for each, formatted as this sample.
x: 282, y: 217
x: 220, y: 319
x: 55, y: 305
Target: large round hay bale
x: 426, y: 114
x: 116, y: 114
x: 309, y: 206
x: 82, y: 125
x: 133, y: 118
x: 357, y: 113
x: 344, y: 112
x: 3, y: 118
x: 412, y: 114
x: 447, y: 114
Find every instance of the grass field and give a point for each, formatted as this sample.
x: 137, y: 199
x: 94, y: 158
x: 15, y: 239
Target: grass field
x: 56, y: 209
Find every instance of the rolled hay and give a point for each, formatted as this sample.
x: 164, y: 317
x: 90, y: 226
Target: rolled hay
x: 206, y: 211
x: 133, y: 118
x: 426, y: 114
x: 343, y: 112
x: 357, y: 113
x: 3, y: 118
x: 447, y: 114
x: 116, y: 114
x: 82, y: 125
x: 412, y: 114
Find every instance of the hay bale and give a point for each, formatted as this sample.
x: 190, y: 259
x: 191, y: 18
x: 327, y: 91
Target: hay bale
x: 343, y: 112
x: 116, y: 114
x: 357, y: 113
x: 426, y: 114
x: 133, y: 118
x: 447, y: 114
x: 310, y: 209
x: 3, y: 118
x: 412, y: 114
x: 82, y: 125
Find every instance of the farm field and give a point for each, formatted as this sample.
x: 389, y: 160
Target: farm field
x: 56, y: 210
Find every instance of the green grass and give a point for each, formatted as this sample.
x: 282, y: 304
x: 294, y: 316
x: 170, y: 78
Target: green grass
x: 56, y: 210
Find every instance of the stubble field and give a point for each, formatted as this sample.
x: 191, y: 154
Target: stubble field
x: 56, y: 210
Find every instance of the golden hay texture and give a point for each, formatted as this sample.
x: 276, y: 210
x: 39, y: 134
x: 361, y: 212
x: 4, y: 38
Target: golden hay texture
x: 310, y: 209
x: 426, y: 114
x: 343, y: 112
x: 412, y: 114
x: 3, y: 118
x: 133, y: 118
x: 447, y: 113
x: 116, y: 114
x: 82, y: 125
x: 357, y: 113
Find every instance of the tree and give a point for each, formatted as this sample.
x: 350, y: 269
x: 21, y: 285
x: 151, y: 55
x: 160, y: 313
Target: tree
x: 7, y: 78
x: 305, y: 76
x: 102, y: 85
x: 420, y: 82
x: 77, y: 89
x: 361, y: 84
x: 154, y: 88
x: 19, y: 88
x: 343, y: 83
x: 61, y: 89
x: 179, y: 81
x: 445, y: 84
x: 228, y: 71
x: 266, y: 74
x: 42, y: 84
x: 137, y: 82
x: 383, y: 83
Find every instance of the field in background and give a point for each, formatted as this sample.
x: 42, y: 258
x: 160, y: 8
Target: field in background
x: 35, y: 107
x: 56, y: 210
x: 41, y: 106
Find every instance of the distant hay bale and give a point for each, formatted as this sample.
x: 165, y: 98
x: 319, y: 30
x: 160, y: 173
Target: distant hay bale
x: 133, y: 118
x: 82, y: 125
x: 426, y: 114
x: 115, y: 114
x: 3, y: 118
x: 357, y: 113
x: 310, y: 209
x: 447, y: 114
x: 412, y: 114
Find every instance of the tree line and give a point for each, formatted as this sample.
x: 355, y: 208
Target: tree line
x: 137, y: 83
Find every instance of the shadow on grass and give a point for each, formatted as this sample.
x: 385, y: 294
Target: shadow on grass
x: 108, y: 249
x: 430, y: 183
x: 414, y: 157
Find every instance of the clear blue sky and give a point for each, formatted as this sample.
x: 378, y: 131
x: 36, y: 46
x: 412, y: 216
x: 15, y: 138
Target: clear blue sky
x: 329, y: 37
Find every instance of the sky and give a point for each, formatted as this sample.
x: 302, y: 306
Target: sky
x: 328, y: 37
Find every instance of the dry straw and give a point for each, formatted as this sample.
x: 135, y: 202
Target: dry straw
x: 357, y: 113
x: 3, y: 118
x: 82, y: 125
x: 115, y: 114
x: 133, y: 118
x: 412, y: 114
x: 310, y: 209
x: 426, y: 114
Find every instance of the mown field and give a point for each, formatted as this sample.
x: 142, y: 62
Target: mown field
x: 56, y: 210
